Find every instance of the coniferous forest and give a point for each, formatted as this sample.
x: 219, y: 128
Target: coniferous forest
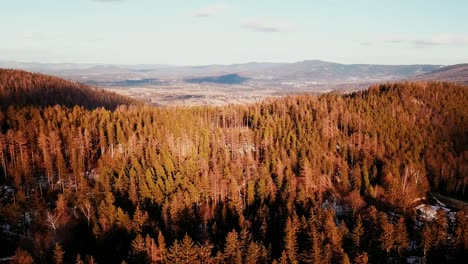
x: 333, y: 178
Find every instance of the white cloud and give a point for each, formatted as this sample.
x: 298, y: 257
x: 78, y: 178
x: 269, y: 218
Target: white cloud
x: 266, y: 25
x: 210, y: 10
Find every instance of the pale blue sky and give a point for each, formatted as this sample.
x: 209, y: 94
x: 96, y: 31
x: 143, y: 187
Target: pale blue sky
x: 194, y: 32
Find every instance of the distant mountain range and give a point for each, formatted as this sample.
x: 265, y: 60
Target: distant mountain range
x: 328, y: 70
x: 315, y: 72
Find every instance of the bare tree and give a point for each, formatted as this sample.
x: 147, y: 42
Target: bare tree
x: 86, y: 209
x: 53, y: 220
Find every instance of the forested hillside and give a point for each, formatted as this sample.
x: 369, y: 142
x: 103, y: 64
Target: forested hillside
x: 302, y: 179
x: 23, y: 88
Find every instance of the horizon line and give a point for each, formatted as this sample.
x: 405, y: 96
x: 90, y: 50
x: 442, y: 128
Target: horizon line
x: 220, y: 64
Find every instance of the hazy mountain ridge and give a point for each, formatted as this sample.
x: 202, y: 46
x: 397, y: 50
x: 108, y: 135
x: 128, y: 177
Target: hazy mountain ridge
x: 313, y: 70
x: 223, y: 79
x: 329, y: 71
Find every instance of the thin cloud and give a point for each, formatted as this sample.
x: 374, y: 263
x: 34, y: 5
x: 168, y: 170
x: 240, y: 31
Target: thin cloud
x: 395, y: 41
x: 210, y: 10
x: 435, y: 40
x: 108, y: 1
x: 261, y: 25
x: 421, y: 42
x: 444, y: 39
x: 392, y: 39
x: 365, y: 43
x: 32, y: 36
x: 38, y: 36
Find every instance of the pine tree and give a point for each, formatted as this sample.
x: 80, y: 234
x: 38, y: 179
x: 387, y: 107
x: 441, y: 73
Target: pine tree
x: 162, y: 250
x: 140, y: 217
x: 232, y: 252
x: 290, y: 240
x: 151, y: 249
x: 90, y: 260
x: 461, y: 231
x: 204, y: 254
x: 132, y: 191
x: 78, y: 260
x: 122, y: 220
x: 441, y: 226
x: 357, y: 235
x: 284, y: 258
x: 386, y: 237
x: 189, y: 250
x: 362, y: 258
x: 106, y: 212
x: 244, y: 241
x: 331, y: 231
x: 427, y: 240
x: 314, y: 254
x: 183, y: 252
x: 57, y: 254
x: 401, y: 235
x: 253, y: 253
x: 345, y: 259
x: 138, y: 250
x: 22, y: 257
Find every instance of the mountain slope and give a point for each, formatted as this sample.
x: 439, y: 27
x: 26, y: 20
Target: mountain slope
x: 454, y: 73
x: 22, y: 88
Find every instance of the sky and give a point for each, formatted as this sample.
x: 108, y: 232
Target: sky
x: 200, y: 32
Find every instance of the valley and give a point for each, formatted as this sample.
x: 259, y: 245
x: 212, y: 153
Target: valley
x: 215, y: 85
